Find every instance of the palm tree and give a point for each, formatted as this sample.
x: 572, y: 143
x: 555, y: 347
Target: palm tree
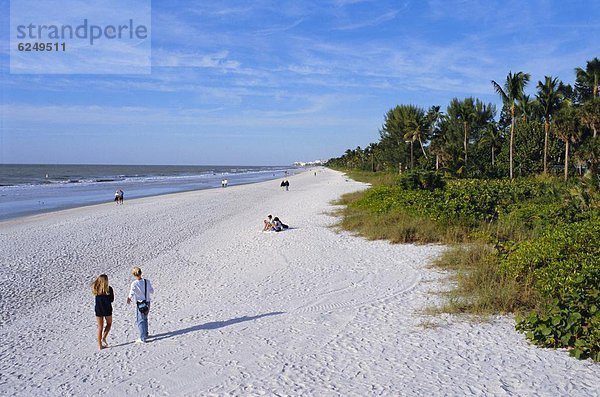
x: 432, y: 117
x: 567, y: 128
x: 550, y: 97
x: 418, y: 124
x: 411, y: 124
x: 590, y: 115
x: 464, y: 111
x: 492, y: 137
x: 526, y: 107
x: 412, y: 132
x: 590, y: 77
x: 510, y: 94
x: 372, y: 150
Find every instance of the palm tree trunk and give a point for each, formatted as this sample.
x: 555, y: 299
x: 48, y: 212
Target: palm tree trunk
x: 412, y: 163
x: 422, y: 148
x: 546, y: 131
x: 566, y: 159
x: 465, y: 142
x: 512, y: 133
x: 437, y: 162
x: 493, y: 158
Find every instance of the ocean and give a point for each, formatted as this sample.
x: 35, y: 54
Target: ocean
x: 27, y: 189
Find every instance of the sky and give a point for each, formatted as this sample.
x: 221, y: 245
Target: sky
x: 272, y: 82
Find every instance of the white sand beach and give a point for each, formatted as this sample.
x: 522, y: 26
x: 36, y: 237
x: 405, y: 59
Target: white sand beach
x: 240, y: 312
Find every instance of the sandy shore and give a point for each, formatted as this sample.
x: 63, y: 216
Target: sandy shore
x: 241, y: 312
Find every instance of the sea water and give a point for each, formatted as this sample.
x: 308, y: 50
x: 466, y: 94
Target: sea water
x: 27, y: 189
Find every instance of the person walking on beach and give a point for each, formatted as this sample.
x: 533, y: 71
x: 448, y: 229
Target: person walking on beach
x: 104, y: 298
x: 287, y: 185
x: 140, y: 291
x: 119, y: 196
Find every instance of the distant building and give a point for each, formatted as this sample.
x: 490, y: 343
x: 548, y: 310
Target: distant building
x: 309, y: 163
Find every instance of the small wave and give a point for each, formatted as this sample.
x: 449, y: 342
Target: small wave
x: 105, y: 180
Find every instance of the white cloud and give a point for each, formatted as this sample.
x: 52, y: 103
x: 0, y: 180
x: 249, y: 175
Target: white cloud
x: 278, y: 29
x: 217, y: 60
x: 388, y: 16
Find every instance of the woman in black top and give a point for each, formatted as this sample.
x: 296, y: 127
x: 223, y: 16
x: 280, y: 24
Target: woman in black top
x: 104, y: 298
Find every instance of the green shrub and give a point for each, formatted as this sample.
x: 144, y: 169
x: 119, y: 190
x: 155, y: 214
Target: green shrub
x: 530, y: 218
x: 563, y: 266
x: 423, y: 180
x: 467, y: 202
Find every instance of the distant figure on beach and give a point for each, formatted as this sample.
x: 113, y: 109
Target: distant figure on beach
x: 315, y: 173
x: 287, y: 185
x: 104, y: 298
x: 140, y: 291
x: 282, y: 184
x: 224, y: 183
x: 119, y: 196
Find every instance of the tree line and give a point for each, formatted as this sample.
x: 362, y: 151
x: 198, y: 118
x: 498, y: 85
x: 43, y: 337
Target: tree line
x: 553, y: 132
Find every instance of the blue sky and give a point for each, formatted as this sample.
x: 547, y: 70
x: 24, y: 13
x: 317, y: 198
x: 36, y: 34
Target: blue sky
x: 272, y: 82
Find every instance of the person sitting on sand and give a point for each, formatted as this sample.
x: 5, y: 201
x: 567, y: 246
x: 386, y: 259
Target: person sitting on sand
x: 104, y: 298
x: 268, y: 224
x: 140, y: 291
x: 278, y: 226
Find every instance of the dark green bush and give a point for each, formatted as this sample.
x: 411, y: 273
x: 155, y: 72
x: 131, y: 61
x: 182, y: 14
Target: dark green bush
x: 468, y: 201
x: 421, y: 180
x: 563, y: 266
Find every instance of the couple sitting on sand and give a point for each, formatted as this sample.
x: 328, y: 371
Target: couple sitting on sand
x: 273, y: 224
x: 140, y: 291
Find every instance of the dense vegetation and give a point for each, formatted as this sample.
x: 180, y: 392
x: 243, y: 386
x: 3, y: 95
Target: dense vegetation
x: 529, y: 241
x: 555, y: 132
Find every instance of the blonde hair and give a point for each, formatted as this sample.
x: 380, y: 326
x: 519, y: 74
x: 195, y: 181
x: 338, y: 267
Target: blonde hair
x: 137, y: 272
x: 100, y: 285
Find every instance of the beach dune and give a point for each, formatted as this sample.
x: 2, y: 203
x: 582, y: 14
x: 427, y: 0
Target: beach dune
x: 236, y: 311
